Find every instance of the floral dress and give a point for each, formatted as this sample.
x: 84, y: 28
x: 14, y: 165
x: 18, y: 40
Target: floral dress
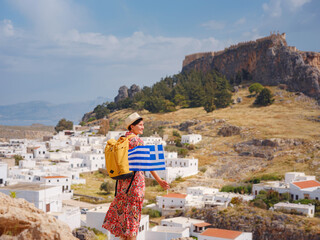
x: 124, y: 214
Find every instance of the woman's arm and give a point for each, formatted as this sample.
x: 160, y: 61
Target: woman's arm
x: 161, y: 182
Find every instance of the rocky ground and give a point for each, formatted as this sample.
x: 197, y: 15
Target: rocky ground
x: 21, y: 220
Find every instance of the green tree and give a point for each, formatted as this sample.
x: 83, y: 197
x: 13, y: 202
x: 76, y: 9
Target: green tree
x: 64, y: 124
x: 17, y: 159
x: 106, y: 186
x: 222, y: 98
x: 255, y: 87
x: 209, y: 104
x: 101, y: 111
x: 264, y: 98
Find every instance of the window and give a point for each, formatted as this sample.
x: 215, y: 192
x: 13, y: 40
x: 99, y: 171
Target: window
x: 57, y: 180
x: 297, y: 197
x: 142, y: 227
x: 49, y: 181
x: 67, y: 180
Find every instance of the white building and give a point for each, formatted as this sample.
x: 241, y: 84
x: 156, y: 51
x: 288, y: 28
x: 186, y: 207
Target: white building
x: 46, y: 198
x: 166, y: 233
x: 153, y: 141
x: 222, y: 234
x: 177, y: 167
x: 115, y: 134
x: 62, y: 181
x: 195, y: 226
x: 309, y: 189
x: 95, y: 218
x: 305, y: 209
x: 27, y: 164
x: 69, y: 215
x: 296, y: 184
x: 191, y: 138
x: 171, y: 201
x: 3, y: 173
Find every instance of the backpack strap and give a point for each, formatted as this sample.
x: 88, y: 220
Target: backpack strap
x: 134, y: 173
x: 115, y: 190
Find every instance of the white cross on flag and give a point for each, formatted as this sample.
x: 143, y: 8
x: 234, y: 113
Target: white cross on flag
x: 146, y: 158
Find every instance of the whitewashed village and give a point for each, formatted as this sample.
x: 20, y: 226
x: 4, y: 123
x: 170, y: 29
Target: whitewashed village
x: 49, y: 168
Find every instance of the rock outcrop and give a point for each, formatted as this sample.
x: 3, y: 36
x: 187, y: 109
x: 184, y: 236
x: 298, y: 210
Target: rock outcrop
x: 124, y: 92
x: 21, y: 220
x: 263, y: 224
x: 269, y: 61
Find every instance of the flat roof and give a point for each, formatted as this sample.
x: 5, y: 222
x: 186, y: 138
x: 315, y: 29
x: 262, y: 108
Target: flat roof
x: 167, y: 229
x: 55, y: 177
x: 28, y: 186
x: 182, y: 220
x: 293, y: 205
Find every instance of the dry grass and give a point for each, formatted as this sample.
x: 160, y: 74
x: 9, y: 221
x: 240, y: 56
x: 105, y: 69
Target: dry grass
x: 92, y: 186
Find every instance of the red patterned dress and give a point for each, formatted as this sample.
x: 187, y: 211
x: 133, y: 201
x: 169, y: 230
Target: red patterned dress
x: 124, y: 214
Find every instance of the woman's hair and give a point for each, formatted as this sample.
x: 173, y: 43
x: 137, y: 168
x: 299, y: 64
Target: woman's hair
x: 136, y: 122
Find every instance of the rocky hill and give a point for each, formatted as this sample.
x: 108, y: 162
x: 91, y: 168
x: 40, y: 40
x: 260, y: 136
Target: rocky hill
x: 269, y: 61
x: 20, y: 219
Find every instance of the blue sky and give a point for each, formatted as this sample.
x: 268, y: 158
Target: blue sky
x: 69, y: 51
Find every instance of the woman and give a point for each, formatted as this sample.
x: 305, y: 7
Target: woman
x: 124, y: 214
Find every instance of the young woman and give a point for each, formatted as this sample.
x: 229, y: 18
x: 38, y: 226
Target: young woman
x: 124, y: 214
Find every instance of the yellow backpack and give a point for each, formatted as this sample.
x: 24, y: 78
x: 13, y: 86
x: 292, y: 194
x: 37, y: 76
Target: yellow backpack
x: 116, y: 155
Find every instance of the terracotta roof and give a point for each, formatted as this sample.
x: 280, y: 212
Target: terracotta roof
x: 175, y: 195
x: 221, y: 233
x: 55, y: 177
x: 307, y: 184
x: 204, y: 224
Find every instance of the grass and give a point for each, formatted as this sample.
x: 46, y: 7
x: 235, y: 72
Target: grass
x: 92, y: 187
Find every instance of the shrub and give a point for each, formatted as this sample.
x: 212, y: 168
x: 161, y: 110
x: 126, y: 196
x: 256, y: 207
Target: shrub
x: 255, y: 87
x: 265, y: 98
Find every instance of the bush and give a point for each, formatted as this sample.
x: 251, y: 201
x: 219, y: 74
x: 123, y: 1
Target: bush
x: 242, y: 189
x: 152, y: 213
x: 183, y: 152
x: 64, y: 124
x: 255, y: 87
x: 265, y: 98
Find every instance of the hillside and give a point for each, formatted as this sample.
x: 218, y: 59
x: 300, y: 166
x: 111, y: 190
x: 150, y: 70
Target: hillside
x: 290, y: 126
x: 35, y: 131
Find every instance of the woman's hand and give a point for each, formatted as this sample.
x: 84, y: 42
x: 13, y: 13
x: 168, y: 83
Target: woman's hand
x: 164, y: 184
x: 161, y: 182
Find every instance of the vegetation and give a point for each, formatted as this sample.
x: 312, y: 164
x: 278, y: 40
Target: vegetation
x: 264, y: 98
x: 184, y: 90
x: 152, y: 213
x: 107, y: 187
x: 255, y: 88
x: 17, y: 159
x: 265, y: 177
x: 243, y: 189
x: 64, y: 124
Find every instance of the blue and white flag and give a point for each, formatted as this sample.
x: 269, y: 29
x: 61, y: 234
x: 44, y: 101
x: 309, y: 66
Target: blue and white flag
x: 146, y: 158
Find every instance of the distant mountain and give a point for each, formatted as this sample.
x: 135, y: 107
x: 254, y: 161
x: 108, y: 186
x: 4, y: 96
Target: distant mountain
x: 23, y: 114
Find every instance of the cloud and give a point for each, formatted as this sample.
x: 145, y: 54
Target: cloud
x: 89, y: 63
x: 6, y: 28
x: 214, y: 25
x: 240, y: 21
x: 275, y: 8
x: 51, y: 16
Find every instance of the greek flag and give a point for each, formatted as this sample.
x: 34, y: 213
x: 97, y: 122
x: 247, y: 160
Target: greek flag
x: 146, y: 158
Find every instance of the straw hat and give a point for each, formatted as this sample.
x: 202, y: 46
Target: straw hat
x: 131, y: 119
